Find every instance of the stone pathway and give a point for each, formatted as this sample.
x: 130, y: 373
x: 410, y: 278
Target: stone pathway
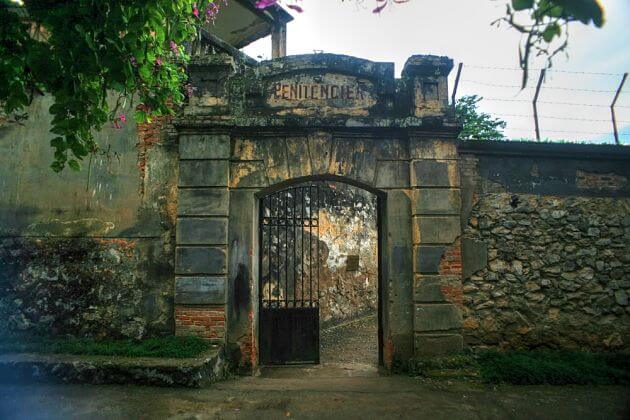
x: 354, y: 341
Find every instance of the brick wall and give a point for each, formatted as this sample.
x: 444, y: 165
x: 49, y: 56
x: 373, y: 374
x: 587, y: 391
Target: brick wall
x: 451, y: 262
x: 205, y: 322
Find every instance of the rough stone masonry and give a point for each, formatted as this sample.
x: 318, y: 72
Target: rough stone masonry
x: 500, y: 244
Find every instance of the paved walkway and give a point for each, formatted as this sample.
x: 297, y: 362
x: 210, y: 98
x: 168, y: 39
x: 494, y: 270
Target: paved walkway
x: 336, y: 396
x: 342, y: 387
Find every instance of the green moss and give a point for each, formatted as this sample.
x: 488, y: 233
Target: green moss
x: 530, y: 367
x: 177, y: 347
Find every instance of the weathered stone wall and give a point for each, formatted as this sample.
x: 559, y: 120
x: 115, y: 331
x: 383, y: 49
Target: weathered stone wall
x: 546, y: 253
x: 347, y: 226
x: 87, y: 253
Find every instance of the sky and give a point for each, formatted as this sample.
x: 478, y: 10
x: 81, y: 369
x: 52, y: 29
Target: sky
x: 461, y: 29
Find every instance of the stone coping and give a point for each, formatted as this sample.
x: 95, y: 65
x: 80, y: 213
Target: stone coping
x: 209, y: 367
x: 544, y: 149
x: 440, y: 124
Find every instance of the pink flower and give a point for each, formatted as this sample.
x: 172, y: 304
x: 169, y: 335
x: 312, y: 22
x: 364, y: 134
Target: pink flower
x: 122, y: 118
x: 295, y: 7
x: 263, y: 4
x: 158, y: 61
x: 195, y: 10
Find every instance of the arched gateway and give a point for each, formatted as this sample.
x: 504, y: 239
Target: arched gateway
x: 249, y: 132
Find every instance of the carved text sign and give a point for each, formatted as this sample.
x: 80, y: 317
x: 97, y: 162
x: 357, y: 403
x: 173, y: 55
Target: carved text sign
x: 299, y: 91
x: 321, y: 94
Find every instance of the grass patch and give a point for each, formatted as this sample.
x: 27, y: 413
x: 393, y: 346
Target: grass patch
x: 554, y: 367
x: 531, y: 367
x: 171, y: 346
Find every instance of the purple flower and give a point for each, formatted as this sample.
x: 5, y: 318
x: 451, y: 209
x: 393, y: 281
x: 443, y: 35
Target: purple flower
x: 211, y: 12
x: 263, y: 4
x: 174, y: 48
x: 133, y: 61
x: 158, y: 61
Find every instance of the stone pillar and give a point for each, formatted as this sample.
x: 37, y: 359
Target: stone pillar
x: 201, y: 238
x: 279, y: 41
x: 437, y: 253
x: 426, y: 77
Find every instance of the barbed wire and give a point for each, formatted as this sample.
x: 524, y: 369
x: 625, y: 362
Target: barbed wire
x: 503, y: 86
x: 476, y: 82
x: 590, y: 73
x: 570, y: 131
x: 552, y: 102
x: 557, y: 117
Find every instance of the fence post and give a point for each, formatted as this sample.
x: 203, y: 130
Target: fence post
x: 540, y: 80
x: 612, y: 107
x: 459, y: 73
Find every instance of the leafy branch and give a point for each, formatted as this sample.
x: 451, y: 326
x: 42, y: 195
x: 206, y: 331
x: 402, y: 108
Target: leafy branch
x: 544, y: 25
x: 89, y: 54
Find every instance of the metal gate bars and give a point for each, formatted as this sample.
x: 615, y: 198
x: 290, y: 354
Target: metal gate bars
x: 289, y: 276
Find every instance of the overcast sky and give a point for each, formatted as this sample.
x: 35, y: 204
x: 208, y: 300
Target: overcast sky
x: 461, y: 30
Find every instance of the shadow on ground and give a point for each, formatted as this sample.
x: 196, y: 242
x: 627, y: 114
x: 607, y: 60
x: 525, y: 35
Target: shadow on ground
x: 345, y: 386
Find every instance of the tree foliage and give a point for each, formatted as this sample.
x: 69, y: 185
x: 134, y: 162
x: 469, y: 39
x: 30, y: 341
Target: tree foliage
x: 82, y: 51
x: 477, y: 125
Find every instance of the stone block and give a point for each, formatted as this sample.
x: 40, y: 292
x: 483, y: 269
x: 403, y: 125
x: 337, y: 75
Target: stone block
x: 474, y: 256
x: 212, y: 146
x: 194, y: 231
x: 435, y: 173
x: 320, y: 146
x: 200, y: 260
x: 430, y: 201
x: 207, y: 290
x: 432, y: 149
x: 248, y: 175
x: 353, y: 158
x: 428, y: 345
x: 427, y: 258
x: 203, y: 202
x: 203, y: 173
x: 437, y: 317
x: 392, y: 174
x: 435, y: 289
x: 436, y: 229
x: 298, y: 157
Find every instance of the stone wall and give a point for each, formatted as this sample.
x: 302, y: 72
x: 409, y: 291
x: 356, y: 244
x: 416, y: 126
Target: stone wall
x: 546, y: 248
x: 347, y: 226
x: 88, y: 253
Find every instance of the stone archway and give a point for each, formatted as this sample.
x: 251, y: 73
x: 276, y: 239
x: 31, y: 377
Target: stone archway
x: 256, y: 130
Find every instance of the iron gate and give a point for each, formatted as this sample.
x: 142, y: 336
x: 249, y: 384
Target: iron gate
x: 289, y: 276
